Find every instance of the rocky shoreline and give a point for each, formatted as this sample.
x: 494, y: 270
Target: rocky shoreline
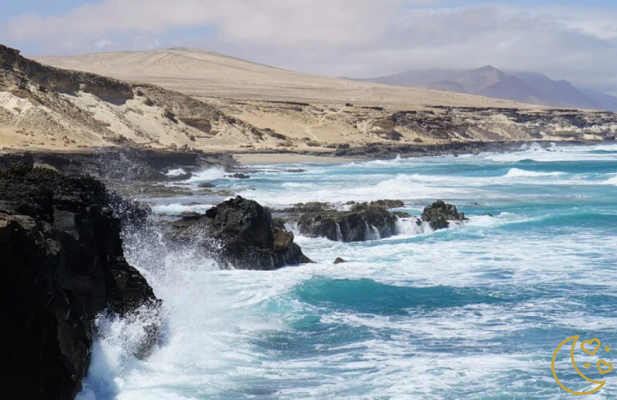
x: 61, y: 240
x: 63, y: 265
x: 385, y: 151
x: 115, y: 165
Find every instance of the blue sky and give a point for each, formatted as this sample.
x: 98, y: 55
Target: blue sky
x: 574, y: 40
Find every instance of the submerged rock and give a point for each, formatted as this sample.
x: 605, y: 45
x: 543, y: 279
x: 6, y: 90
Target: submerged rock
x: 244, y: 234
x: 62, y: 264
x: 362, y: 222
x: 439, y: 215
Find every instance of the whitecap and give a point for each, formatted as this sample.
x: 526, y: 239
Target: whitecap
x: 176, y: 172
x: 612, y: 181
x: 181, y: 208
x: 210, y: 174
x: 519, y: 173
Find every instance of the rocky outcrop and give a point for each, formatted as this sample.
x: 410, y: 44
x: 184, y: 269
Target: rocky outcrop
x: 313, y: 206
x: 387, y: 204
x: 62, y: 81
x: 62, y: 264
x: 243, y: 235
x: 363, y: 222
x: 121, y: 165
x: 239, y: 176
x: 440, y: 214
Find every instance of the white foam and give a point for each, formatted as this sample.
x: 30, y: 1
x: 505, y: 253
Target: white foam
x: 410, y: 227
x: 181, y: 208
x: 555, y: 154
x: 295, y: 185
x: 612, y: 181
x: 176, y: 172
x: 404, y: 187
x: 518, y: 173
x: 206, y: 175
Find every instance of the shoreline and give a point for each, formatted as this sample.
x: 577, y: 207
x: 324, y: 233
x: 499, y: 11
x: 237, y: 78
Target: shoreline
x: 244, y: 159
x: 377, y: 151
x: 138, y: 164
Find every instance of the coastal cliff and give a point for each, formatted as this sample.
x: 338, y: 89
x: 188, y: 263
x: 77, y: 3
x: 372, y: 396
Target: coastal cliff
x: 43, y: 107
x: 62, y: 265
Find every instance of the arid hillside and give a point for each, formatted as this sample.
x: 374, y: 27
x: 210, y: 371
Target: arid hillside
x: 201, y: 73
x: 210, y: 102
x: 44, y: 107
x: 309, y: 112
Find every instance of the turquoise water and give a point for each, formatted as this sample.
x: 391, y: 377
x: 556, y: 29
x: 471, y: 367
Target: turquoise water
x: 473, y: 312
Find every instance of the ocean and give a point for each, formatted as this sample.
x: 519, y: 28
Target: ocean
x: 472, y: 312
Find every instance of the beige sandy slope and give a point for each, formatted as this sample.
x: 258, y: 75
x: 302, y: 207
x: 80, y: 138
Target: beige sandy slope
x: 205, y: 74
x: 213, y: 102
x: 42, y: 107
x: 263, y: 97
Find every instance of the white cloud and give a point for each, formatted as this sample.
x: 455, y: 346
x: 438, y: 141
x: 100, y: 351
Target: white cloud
x: 339, y: 22
x: 103, y: 43
x: 346, y: 37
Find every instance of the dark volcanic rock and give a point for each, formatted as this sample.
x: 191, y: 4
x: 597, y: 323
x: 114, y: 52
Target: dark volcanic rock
x: 313, y: 206
x: 362, y: 222
x: 244, y: 234
x: 339, y: 260
x: 439, y: 214
x: 62, y: 264
x: 240, y: 176
x: 388, y: 204
x: 125, y: 164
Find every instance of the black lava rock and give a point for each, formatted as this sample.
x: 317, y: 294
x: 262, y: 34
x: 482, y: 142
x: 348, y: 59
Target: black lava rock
x: 62, y: 264
x: 362, y: 222
x: 244, y: 236
x: 440, y: 213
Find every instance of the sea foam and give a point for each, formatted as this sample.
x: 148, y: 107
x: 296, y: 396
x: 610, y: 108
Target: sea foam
x: 206, y: 175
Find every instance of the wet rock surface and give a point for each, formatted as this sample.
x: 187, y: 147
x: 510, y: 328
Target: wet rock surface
x: 387, y: 204
x: 116, y: 166
x: 62, y: 264
x: 243, y: 235
x: 313, y: 206
x: 240, y: 176
x: 362, y: 222
x: 440, y: 214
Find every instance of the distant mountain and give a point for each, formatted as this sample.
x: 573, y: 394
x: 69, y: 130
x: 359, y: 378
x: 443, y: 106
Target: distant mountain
x: 524, y: 87
x: 416, y: 77
x: 513, y: 88
x: 562, y: 91
x: 607, y: 101
x: 477, y: 80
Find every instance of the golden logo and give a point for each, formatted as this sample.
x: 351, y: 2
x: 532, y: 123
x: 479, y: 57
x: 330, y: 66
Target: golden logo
x: 590, y: 347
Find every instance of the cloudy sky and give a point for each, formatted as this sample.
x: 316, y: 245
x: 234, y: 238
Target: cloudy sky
x: 574, y: 40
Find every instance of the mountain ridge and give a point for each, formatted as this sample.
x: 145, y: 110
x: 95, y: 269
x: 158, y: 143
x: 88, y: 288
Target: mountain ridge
x: 526, y: 87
